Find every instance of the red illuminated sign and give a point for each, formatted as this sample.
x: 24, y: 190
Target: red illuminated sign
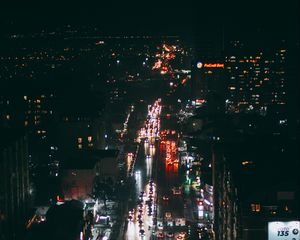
x: 213, y: 65
x: 200, y: 101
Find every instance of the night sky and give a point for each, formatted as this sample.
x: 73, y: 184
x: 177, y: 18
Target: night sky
x: 273, y: 18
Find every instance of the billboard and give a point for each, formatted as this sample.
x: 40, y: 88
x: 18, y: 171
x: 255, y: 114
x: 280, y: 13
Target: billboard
x: 284, y: 230
x: 200, y: 65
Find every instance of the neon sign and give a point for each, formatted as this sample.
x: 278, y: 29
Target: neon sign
x: 214, y: 65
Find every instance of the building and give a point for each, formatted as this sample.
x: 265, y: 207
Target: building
x: 39, y: 114
x: 80, y: 170
x: 207, y: 83
x: 80, y: 133
x: 14, y: 185
x: 257, y: 78
x: 264, y: 170
x: 226, y: 209
x: 11, y: 111
x: 219, y: 208
x: 55, y: 225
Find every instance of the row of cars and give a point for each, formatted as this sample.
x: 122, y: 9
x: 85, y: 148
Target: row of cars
x: 145, y: 207
x: 170, y: 235
x: 150, y: 131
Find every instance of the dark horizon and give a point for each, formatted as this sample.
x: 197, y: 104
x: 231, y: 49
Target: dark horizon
x: 272, y: 20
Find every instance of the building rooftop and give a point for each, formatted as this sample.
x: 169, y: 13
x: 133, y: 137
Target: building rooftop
x: 87, y: 159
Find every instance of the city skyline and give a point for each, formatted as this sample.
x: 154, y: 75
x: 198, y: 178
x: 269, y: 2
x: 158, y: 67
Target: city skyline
x: 165, y: 121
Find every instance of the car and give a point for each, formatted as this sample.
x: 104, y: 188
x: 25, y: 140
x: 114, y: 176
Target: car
x: 165, y: 198
x: 176, y: 191
x: 142, y: 232
x: 199, y: 201
x: 160, y: 234
x: 168, y: 214
x: 170, y: 234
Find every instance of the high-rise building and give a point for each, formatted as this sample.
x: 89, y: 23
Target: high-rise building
x: 226, y: 209
x: 257, y: 78
x: 81, y: 133
x: 207, y: 80
x: 11, y: 111
x: 39, y: 114
x: 207, y: 83
x: 14, y: 185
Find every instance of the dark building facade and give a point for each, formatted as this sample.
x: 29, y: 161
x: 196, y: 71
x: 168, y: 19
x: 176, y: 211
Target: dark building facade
x: 79, y: 172
x: 208, y: 83
x: 14, y: 186
x: 207, y: 70
x: 226, y: 209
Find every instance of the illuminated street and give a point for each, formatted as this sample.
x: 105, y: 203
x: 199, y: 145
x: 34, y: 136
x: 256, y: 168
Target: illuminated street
x: 158, y: 161
x: 167, y: 121
x: 140, y: 219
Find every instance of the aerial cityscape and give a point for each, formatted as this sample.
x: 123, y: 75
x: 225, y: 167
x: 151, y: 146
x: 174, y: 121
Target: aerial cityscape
x: 165, y: 122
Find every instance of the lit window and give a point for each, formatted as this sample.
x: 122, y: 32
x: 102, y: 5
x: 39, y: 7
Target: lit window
x: 286, y: 208
x: 79, y: 146
x: 90, y: 139
x: 255, y: 207
x: 79, y: 140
